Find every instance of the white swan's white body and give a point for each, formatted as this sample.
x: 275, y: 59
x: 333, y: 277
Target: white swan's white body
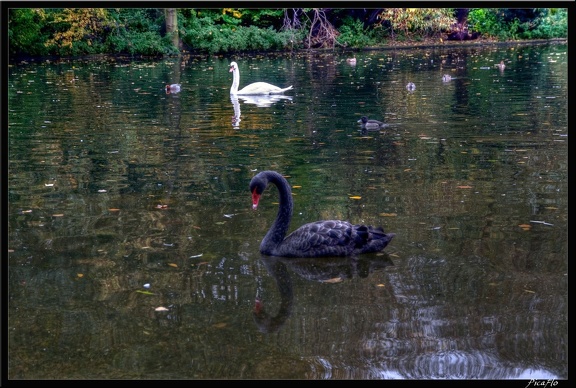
x: 253, y: 88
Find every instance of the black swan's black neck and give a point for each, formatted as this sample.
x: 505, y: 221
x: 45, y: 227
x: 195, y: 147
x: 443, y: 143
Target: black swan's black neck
x: 279, y: 228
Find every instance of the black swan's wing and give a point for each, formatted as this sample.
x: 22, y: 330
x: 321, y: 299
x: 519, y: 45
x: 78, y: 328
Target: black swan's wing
x: 333, y: 238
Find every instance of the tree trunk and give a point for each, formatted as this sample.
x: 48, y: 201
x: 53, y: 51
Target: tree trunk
x: 172, y: 25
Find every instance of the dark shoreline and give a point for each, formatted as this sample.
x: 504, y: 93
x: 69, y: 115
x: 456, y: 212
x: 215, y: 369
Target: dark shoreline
x: 428, y: 44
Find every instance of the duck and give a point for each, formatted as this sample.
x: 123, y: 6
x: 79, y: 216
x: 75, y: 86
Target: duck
x: 501, y: 65
x: 446, y: 78
x: 410, y: 86
x: 174, y: 88
x: 254, y: 88
x: 351, y: 61
x: 371, y: 124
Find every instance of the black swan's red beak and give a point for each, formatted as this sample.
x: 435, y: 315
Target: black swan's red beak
x: 255, y: 199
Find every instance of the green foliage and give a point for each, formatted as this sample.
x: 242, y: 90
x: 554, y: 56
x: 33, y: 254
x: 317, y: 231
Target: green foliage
x: 552, y: 23
x: 210, y: 33
x: 26, y: 32
x: 353, y: 34
x: 506, y: 24
x: 263, y: 18
x: 79, y: 31
x: 484, y: 21
x: 138, y: 31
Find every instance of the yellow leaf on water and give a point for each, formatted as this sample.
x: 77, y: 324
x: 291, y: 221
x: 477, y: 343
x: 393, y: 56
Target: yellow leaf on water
x: 333, y: 280
x: 355, y: 197
x: 387, y: 214
x: 464, y: 187
x: 296, y: 187
x: 380, y: 285
x: 173, y: 265
x: 80, y: 275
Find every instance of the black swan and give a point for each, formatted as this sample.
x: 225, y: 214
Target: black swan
x: 253, y: 88
x: 316, y: 239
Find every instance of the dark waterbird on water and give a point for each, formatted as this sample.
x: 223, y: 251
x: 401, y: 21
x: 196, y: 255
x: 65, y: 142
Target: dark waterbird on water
x: 174, y: 88
x: 370, y: 123
x: 315, y: 239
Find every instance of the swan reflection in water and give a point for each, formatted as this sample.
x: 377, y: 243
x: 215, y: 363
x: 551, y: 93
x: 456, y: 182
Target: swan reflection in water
x: 261, y: 101
x: 326, y: 269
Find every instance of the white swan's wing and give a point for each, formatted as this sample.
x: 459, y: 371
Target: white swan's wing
x: 262, y: 88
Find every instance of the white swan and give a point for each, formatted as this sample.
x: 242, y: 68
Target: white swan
x: 253, y: 88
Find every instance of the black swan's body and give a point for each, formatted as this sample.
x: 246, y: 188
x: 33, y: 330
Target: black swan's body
x: 316, y: 239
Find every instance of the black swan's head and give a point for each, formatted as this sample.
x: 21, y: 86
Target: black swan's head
x: 257, y: 186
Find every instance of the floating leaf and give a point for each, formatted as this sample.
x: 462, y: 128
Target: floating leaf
x: 160, y: 309
x: 220, y: 325
x: 464, y: 187
x: 58, y: 215
x: 525, y: 226
x: 173, y: 265
x: 380, y: 285
x: 145, y: 292
x: 296, y: 187
x: 113, y: 210
x: 333, y: 280
x: 355, y: 197
x: 194, y: 256
x: 388, y: 214
x: 80, y: 275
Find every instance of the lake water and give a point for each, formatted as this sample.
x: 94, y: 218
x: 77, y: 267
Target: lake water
x: 133, y: 247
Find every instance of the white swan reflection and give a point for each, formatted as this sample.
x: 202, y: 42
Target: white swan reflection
x: 261, y: 101
x: 264, y: 101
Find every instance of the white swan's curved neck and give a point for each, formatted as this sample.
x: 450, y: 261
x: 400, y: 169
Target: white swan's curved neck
x: 235, y: 80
